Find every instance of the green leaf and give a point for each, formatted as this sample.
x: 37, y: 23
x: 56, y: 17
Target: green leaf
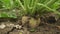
x: 7, y: 4
x: 3, y: 15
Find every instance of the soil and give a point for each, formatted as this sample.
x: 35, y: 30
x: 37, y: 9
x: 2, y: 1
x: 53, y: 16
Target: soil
x: 48, y: 25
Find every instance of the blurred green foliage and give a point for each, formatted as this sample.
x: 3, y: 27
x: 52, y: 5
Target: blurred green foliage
x: 29, y: 7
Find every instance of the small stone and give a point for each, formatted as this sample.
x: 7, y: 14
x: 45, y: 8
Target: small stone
x: 2, y: 26
x: 10, y: 25
x: 18, y: 26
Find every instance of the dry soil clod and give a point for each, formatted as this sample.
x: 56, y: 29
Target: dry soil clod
x: 25, y: 19
x: 34, y: 22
